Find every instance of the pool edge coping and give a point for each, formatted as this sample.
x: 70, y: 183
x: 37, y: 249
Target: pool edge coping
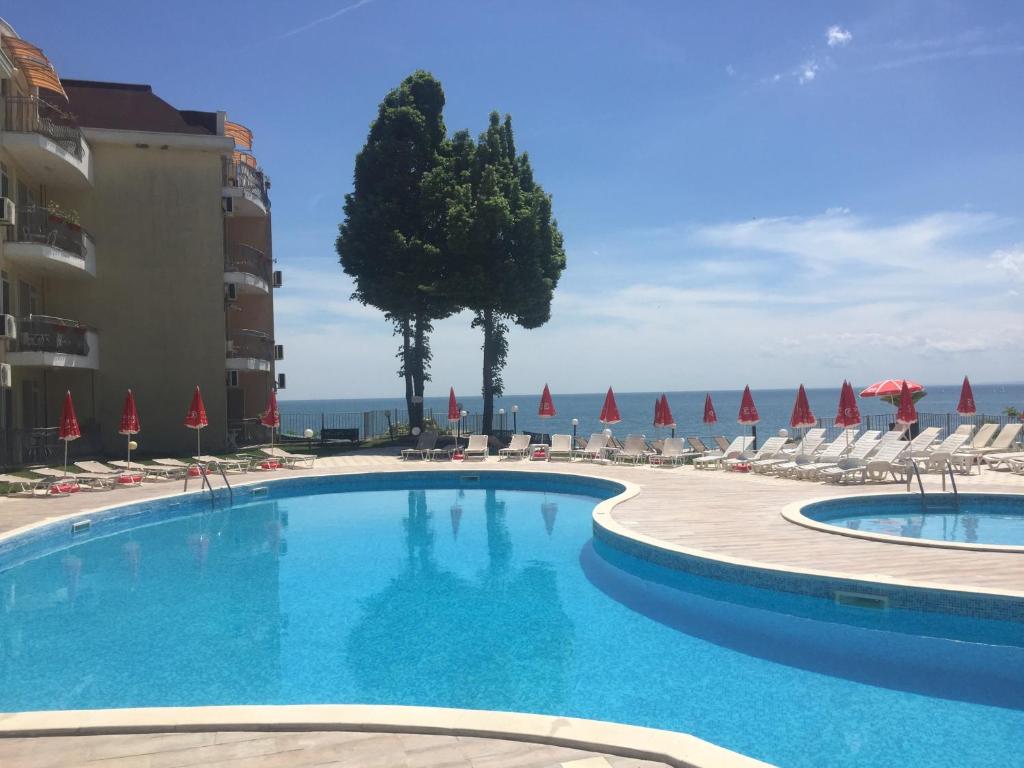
x: 793, y: 513
x: 675, y: 748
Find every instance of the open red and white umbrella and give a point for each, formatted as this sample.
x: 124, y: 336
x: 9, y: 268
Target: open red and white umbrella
x: 196, y: 417
x: 610, y: 409
x: 890, y: 390
x: 130, y: 423
x: 663, y: 415
x: 69, y: 429
x: 546, y: 410
x: 710, y: 417
x: 966, y: 406
x: 907, y: 413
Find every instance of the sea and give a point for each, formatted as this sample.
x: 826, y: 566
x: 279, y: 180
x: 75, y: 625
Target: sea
x: 637, y: 408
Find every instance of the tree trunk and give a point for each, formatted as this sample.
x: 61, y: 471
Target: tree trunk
x: 490, y: 354
x: 419, y: 375
x: 415, y: 409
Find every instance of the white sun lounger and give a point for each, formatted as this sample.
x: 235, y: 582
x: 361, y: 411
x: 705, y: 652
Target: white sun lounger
x: 151, y: 471
x: 672, y: 453
x: 885, y: 460
x: 229, y: 465
x: 291, y: 460
x: 634, y: 451
x: 596, y: 448
x: 936, y: 459
x: 769, y: 449
x: 517, y: 448
x: 714, y: 460
x: 424, y: 447
x: 827, y: 457
x: 561, y: 448
x: 808, y: 446
x: 37, y: 486
x: 85, y: 480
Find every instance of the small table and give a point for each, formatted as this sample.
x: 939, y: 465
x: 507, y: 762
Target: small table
x: 535, y: 447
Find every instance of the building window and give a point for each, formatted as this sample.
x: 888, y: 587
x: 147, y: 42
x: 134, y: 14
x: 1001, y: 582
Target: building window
x: 5, y: 295
x: 5, y: 181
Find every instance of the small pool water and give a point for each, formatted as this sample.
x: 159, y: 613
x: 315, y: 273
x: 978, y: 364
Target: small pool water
x: 485, y: 591
x: 972, y: 518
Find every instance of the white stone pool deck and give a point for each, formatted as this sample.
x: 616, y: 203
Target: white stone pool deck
x: 727, y: 516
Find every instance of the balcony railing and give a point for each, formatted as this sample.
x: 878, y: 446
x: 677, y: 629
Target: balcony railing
x: 245, y: 258
x: 40, y: 225
x: 30, y: 114
x: 250, y: 180
x: 41, y: 333
x: 253, y: 344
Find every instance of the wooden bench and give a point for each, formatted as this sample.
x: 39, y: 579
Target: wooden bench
x: 349, y: 434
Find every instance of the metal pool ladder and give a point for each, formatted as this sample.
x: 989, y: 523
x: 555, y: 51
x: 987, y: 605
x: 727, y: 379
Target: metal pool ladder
x: 915, y: 470
x: 206, y: 480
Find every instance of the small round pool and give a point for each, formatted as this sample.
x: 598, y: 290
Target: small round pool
x: 971, y: 519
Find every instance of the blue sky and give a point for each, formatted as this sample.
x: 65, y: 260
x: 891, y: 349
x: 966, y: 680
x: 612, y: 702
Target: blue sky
x: 750, y: 192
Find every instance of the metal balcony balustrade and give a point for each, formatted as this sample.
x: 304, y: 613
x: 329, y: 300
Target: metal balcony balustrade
x: 39, y: 225
x: 42, y: 333
x: 251, y: 180
x: 30, y: 114
x: 251, y: 344
x: 245, y: 258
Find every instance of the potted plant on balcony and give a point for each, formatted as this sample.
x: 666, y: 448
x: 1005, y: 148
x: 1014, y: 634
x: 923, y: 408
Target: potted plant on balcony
x: 67, y: 216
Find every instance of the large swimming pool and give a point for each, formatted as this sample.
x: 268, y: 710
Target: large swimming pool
x: 485, y: 591
x: 969, y: 518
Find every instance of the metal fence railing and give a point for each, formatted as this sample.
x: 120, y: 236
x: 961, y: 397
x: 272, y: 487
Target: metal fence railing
x: 39, y: 333
x: 947, y: 422
x: 252, y: 181
x: 252, y: 344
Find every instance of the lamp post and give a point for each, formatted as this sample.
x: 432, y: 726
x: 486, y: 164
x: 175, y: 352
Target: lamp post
x: 501, y: 418
x: 575, y: 423
x: 463, y: 414
x: 515, y: 410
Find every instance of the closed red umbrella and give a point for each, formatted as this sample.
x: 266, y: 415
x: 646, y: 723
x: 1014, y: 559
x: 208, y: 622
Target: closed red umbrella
x: 966, y: 406
x: 666, y: 415
x: 748, y: 415
x: 802, y: 416
x: 610, y: 410
x: 547, y: 406
x: 848, y: 414
x: 710, y: 417
x: 657, y: 412
x: 196, y: 417
x: 907, y: 413
x: 69, y: 429
x: 453, y: 406
x: 130, y: 423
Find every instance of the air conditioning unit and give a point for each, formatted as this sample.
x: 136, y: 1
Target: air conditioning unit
x: 279, y: 351
x: 10, y: 327
x: 228, y: 204
x: 231, y: 291
x: 5, y: 375
x: 232, y: 378
x: 8, y: 216
x: 280, y: 381
x: 278, y: 278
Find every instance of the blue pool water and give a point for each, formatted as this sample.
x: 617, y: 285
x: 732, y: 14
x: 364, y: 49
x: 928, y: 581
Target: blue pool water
x: 491, y: 594
x: 976, y: 518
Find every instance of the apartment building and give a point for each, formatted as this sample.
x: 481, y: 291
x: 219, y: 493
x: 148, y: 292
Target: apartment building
x: 135, y: 252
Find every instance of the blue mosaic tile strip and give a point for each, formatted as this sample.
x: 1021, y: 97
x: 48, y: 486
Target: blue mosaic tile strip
x: 973, y: 605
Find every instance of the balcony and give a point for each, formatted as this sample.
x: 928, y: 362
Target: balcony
x: 53, y: 342
x: 48, y: 242
x: 246, y: 187
x: 46, y: 142
x: 247, y: 268
x: 250, y: 351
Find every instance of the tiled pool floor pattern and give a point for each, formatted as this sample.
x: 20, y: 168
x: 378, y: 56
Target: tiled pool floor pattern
x: 254, y: 749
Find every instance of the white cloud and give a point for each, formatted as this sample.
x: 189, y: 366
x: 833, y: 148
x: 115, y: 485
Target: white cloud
x: 730, y: 70
x: 837, y: 37
x: 1010, y: 261
x: 807, y: 71
x: 325, y: 19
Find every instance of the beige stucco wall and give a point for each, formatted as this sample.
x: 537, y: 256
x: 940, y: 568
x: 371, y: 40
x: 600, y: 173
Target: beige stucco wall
x: 158, y: 299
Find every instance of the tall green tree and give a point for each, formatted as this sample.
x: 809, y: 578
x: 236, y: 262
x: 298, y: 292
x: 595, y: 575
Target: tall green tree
x: 392, y: 239
x: 505, y: 251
